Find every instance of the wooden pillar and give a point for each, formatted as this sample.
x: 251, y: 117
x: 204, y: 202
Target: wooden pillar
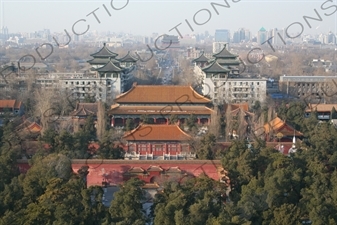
x: 209, y: 121
x: 123, y: 119
x: 167, y: 121
x: 154, y: 120
x: 198, y: 120
x: 113, y: 122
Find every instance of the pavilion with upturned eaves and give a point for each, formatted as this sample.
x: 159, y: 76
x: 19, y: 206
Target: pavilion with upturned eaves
x: 159, y: 103
x: 105, y: 56
x: 102, y: 57
x: 278, y: 130
x: 202, y: 60
x: 227, y: 60
x: 222, y: 62
x: 106, y: 65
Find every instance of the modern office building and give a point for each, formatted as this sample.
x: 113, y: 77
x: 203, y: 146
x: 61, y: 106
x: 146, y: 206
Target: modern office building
x: 222, y: 35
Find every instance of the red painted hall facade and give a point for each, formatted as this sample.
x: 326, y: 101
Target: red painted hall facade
x: 159, y: 102
x: 114, y: 172
x: 157, y: 142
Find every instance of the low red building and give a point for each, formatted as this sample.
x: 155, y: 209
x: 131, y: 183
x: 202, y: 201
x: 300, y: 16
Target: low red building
x: 275, y: 127
x: 157, y: 142
x: 13, y: 107
x: 114, y: 172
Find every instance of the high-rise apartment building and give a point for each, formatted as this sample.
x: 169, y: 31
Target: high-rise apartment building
x: 262, y: 35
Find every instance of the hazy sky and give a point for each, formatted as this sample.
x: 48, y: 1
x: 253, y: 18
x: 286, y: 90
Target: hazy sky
x: 159, y: 16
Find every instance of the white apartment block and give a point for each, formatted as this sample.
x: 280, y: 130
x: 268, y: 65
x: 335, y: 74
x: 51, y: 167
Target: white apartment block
x: 222, y: 89
x: 221, y: 81
x: 82, y: 86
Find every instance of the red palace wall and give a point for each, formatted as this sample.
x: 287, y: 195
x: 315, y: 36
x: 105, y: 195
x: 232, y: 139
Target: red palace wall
x: 116, y: 171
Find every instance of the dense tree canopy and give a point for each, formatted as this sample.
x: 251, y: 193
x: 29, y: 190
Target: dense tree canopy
x: 264, y: 186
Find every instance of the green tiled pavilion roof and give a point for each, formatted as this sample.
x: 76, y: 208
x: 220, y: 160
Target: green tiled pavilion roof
x: 109, y: 67
x: 102, y: 61
x: 201, y: 58
x: 215, y: 68
x: 104, y: 53
x: 224, y: 53
x: 128, y: 58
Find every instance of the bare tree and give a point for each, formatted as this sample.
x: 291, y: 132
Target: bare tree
x: 242, y: 128
x: 229, y: 122
x: 101, y: 120
x: 214, y: 127
x: 45, y: 109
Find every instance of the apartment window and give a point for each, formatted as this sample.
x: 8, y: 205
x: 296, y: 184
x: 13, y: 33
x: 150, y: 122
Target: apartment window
x: 88, y: 82
x: 66, y: 82
x: 72, y: 83
x: 258, y: 83
x: 77, y: 82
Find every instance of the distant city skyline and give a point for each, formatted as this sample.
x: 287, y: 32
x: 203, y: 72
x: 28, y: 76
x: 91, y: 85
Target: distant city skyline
x: 142, y: 17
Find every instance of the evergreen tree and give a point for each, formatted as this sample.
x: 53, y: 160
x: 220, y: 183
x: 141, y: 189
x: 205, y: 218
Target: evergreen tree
x: 145, y: 119
x: 129, y: 124
x: 173, y: 119
x: 127, y: 206
x: 206, y: 149
x: 190, y: 122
